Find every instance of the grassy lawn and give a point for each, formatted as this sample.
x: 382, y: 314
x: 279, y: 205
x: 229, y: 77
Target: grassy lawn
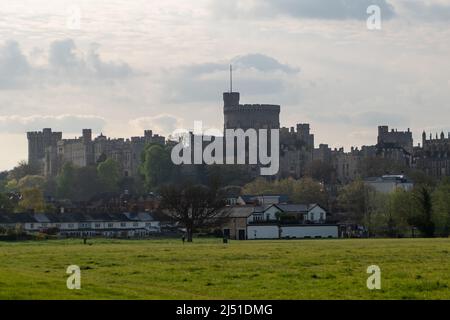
x: 208, y: 269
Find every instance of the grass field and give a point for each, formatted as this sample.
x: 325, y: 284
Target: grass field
x: 208, y: 269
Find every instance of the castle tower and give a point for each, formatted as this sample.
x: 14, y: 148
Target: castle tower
x: 247, y: 116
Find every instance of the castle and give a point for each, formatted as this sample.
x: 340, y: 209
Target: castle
x: 49, y: 151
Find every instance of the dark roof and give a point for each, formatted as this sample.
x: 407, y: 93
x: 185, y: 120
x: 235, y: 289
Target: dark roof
x: 13, y: 218
x: 296, y: 208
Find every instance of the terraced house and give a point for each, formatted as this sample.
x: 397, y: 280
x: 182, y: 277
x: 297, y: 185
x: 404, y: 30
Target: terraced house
x: 123, y: 225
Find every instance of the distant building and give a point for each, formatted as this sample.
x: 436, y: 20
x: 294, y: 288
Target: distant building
x: 50, y: 152
x: 434, y: 156
x: 389, y: 183
x: 278, y: 221
x: 123, y: 225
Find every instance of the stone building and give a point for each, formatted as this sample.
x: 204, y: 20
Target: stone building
x: 296, y: 150
x: 395, y: 145
x: 434, y: 155
x: 38, y: 142
x: 246, y: 116
x: 51, y: 152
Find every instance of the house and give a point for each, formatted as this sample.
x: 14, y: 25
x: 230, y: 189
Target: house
x: 235, y: 226
x: 389, y: 183
x: 84, y: 224
x: 278, y: 221
x: 301, y: 213
x: 290, y: 221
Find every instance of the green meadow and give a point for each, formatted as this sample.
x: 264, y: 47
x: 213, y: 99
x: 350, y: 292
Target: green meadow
x: 209, y: 269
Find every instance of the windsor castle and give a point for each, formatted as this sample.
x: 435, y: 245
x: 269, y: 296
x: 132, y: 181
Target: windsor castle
x: 48, y: 150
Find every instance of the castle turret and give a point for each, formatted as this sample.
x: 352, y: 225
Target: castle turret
x: 231, y: 99
x: 87, y: 135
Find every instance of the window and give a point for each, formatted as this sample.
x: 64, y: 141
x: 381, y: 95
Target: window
x: 97, y: 225
x: 31, y: 225
x: 135, y: 224
x: 110, y: 225
x: 123, y: 224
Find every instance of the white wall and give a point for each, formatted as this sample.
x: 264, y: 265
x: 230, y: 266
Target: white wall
x: 314, y: 214
x: 262, y: 232
x: 309, y: 231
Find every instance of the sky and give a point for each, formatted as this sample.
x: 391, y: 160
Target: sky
x: 121, y: 66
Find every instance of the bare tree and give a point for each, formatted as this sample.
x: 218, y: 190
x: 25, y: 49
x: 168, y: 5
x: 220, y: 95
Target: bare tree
x: 193, y: 206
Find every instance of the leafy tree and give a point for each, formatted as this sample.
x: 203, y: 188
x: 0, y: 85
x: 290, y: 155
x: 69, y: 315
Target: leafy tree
x: 259, y: 186
x: 3, y: 180
x: 352, y: 200
x: 390, y: 212
x: 109, y: 175
x: 23, y: 169
x: 192, y: 206
x: 32, y: 199
x: 305, y: 190
x: 156, y: 166
x: 31, y: 181
x: 423, y: 217
x: 65, y: 181
x: 321, y: 171
x: 6, y: 205
x: 441, y: 206
x: 377, y: 166
x: 78, y: 184
x: 228, y: 175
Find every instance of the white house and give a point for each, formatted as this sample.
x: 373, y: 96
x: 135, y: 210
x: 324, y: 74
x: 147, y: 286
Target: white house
x: 304, y: 213
x: 280, y: 221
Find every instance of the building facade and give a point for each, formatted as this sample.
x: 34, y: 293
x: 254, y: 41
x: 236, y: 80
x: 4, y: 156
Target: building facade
x: 50, y: 152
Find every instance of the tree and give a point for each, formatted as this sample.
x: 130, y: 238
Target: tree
x: 23, y: 169
x: 31, y: 181
x: 109, y: 175
x: 65, y: 181
x: 6, y: 205
x: 441, y: 206
x: 321, y: 171
x: 423, y: 218
x: 192, y: 206
x: 309, y: 191
x: 352, y: 200
x: 32, y: 200
x: 304, y: 191
x: 377, y: 166
x: 3, y: 180
x: 78, y: 184
x: 156, y: 166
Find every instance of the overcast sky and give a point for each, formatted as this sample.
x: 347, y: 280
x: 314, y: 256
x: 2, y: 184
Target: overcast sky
x: 161, y: 65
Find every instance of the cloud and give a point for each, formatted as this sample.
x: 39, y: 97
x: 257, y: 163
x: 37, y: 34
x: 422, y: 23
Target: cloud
x: 309, y: 9
x: 67, y: 123
x: 434, y: 10
x: 14, y: 65
x: 255, y: 74
x: 63, y: 57
x: 164, y: 124
x: 64, y: 65
x: 368, y: 119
